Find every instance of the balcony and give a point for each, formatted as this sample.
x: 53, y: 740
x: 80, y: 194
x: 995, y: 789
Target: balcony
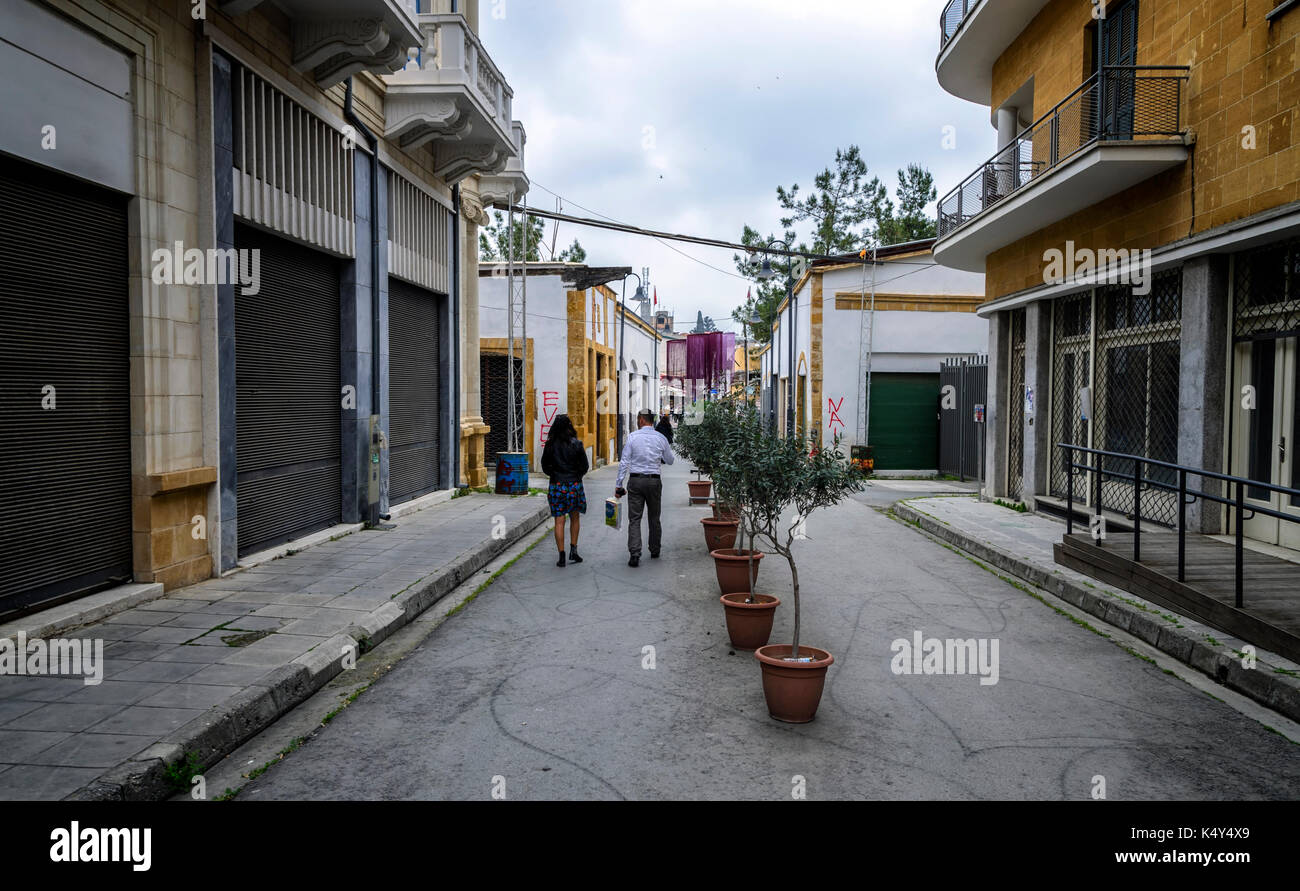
x: 511, y: 184
x: 335, y: 39
x: 972, y: 35
x: 1121, y: 126
x: 452, y: 97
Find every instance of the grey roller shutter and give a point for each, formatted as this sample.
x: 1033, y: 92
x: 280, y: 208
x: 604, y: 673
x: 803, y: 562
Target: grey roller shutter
x: 414, y: 424
x: 65, y: 473
x: 288, y: 394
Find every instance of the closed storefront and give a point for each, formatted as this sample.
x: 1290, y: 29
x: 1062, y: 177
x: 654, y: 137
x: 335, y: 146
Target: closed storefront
x: 288, y: 394
x: 905, y: 421
x: 414, y: 442
x: 65, y: 439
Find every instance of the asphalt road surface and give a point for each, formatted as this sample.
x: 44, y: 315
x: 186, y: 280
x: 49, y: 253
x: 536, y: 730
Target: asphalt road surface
x: 541, y: 689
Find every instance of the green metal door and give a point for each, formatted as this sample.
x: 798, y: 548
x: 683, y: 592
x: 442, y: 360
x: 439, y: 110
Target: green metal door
x: 905, y: 421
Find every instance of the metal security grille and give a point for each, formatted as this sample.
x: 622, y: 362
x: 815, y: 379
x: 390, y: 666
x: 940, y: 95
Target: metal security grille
x: 293, y: 171
x: 1266, y: 285
x: 494, y: 380
x: 1071, y: 372
x: 1136, y: 395
x: 414, y: 421
x: 419, y: 240
x: 1016, y: 408
x: 65, y: 424
x: 288, y: 395
x: 961, y: 432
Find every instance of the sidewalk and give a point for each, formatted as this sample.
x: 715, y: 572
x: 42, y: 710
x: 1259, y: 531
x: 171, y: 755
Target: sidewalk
x: 1021, y: 544
x: 207, y: 666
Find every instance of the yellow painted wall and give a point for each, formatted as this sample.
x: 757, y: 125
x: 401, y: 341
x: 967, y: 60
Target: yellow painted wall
x: 1243, y: 73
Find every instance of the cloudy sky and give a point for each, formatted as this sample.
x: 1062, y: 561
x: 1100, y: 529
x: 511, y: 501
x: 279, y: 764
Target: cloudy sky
x: 684, y: 115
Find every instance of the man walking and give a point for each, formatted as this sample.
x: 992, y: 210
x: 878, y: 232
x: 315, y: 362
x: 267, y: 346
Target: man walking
x: 643, y: 453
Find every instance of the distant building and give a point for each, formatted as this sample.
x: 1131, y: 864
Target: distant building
x: 924, y: 313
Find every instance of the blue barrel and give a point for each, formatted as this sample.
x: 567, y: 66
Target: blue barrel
x: 512, y: 473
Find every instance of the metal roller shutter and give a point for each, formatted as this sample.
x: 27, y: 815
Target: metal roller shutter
x: 414, y: 421
x: 288, y: 394
x: 65, y: 471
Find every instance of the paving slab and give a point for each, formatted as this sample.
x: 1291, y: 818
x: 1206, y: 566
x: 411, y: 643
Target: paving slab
x: 165, y: 667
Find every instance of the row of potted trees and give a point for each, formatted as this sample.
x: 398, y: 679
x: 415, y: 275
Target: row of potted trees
x: 765, y: 486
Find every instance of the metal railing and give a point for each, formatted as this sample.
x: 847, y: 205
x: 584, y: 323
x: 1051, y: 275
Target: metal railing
x: 1140, y: 481
x: 1118, y: 103
x: 954, y: 13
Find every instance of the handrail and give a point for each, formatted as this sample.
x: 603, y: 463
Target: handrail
x: 1141, y: 481
x: 1105, y: 107
x: 950, y: 24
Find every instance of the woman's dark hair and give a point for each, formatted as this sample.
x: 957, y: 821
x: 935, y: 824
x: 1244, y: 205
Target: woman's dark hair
x: 562, y: 430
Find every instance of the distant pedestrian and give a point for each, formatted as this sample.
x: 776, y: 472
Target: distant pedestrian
x: 665, y: 427
x: 564, y: 461
x: 643, y: 453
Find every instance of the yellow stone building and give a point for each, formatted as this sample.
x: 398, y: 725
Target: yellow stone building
x: 1139, y: 227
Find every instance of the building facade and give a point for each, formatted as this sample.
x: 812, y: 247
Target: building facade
x: 572, y: 353
x: 923, y: 313
x: 1140, y: 233
x: 267, y: 214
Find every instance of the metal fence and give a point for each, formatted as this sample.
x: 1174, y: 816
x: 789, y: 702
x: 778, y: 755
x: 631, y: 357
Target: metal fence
x: 1117, y: 103
x: 1016, y: 408
x: 1136, y: 386
x: 961, y: 416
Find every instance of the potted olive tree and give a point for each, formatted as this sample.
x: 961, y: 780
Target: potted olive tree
x: 697, y: 443
x: 737, y: 472
x: 787, y: 484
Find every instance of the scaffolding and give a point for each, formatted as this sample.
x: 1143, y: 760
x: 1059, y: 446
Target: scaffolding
x: 866, y: 332
x: 516, y: 324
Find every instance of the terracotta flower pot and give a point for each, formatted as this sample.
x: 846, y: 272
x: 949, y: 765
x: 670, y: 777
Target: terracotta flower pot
x: 719, y: 534
x: 732, y: 565
x: 793, y: 690
x: 700, y: 490
x: 749, y: 624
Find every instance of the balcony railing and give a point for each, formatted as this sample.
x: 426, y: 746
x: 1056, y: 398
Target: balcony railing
x: 1118, y: 103
x: 951, y: 18
x: 452, y: 52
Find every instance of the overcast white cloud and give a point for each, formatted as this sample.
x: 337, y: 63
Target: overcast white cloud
x: 684, y: 115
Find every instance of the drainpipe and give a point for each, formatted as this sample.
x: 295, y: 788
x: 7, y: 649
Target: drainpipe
x: 373, y: 142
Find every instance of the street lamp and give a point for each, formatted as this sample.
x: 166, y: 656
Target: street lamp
x: 622, y: 329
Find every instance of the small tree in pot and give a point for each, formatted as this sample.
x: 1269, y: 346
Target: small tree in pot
x: 791, y: 479
x: 699, y: 443
x: 738, y: 471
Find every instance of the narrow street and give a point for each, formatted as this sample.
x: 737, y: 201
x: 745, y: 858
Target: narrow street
x: 541, y: 687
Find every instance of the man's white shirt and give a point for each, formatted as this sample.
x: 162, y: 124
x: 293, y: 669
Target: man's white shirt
x: 645, y: 449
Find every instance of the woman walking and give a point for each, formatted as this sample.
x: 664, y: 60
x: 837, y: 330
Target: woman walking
x: 564, y: 460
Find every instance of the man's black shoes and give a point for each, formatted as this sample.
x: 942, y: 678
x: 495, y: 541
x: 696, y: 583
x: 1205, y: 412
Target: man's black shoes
x: 654, y: 555
x: 634, y: 562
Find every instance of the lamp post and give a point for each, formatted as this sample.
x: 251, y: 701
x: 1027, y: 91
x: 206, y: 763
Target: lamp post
x: 622, y: 328
x: 766, y: 273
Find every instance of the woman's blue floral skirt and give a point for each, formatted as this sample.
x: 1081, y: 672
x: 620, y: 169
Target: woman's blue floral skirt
x: 565, y: 498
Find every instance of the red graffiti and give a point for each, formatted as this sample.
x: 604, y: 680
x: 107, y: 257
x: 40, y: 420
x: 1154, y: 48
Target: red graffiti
x: 835, y: 413
x: 550, y: 405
